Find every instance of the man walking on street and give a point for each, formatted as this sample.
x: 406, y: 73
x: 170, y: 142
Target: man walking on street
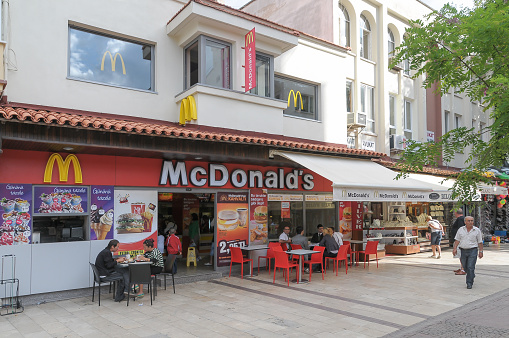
x: 469, y: 240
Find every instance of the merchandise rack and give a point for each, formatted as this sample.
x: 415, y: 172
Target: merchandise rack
x: 9, y: 289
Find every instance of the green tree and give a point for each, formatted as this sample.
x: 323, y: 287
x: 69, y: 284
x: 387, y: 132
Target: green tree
x: 466, y: 50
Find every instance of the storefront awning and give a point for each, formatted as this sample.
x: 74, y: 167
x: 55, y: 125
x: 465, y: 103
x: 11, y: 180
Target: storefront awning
x: 364, y: 180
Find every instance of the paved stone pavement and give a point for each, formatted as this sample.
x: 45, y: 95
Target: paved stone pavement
x: 406, y: 296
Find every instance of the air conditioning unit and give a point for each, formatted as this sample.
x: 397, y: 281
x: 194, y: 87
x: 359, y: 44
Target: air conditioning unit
x: 397, y: 142
x: 396, y: 67
x: 356, y: 119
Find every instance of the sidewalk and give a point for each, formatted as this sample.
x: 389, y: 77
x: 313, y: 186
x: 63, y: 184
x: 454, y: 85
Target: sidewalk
x: 406, y: 296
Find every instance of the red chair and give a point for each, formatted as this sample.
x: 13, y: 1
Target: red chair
x: 342, y: 256
x: 371, y: 249
x: 238, y: 258
x: 282, y: 263
x: 316, y: 258
x: 284, y: 246
x: 349, y: 251
x: 295, y: 258
x: 270, y: 255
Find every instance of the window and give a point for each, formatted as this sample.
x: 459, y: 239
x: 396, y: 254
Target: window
x: 207, y: 61
x: 392, y: 115
x: 344, y: 27
x: 482, y: 131
x: 391, y: 43
x: 446, y: 121
x: 408, y: 120
x: 301, y: 97
x: 368, y: 106
x: 264, y: 76
x: 349, y: 97
x: 365, y: 35
x: 406, y: 67
x: 457, y: 121
x: 102, y: 58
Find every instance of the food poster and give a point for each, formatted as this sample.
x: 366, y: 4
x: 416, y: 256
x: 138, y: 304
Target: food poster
x: 285, y: 210
x: 135, y: 219
x: 345, y: 219
x: 258, y: 228
x: 16, y: 219
x: 190, y: 206
x: 232, y: 224
x: 101, y: 212
x: 60, y: 200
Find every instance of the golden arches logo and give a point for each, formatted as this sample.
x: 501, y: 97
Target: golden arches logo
x: 113, y: 61
x: 295, y: 95
x: 344, y: 193
x: 249, y: 38
x: 405, y: 195
x: 63, y: 168
x: 187, y: 110
x: 376, y: 194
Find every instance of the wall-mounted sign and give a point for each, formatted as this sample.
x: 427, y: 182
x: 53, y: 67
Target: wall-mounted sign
x: 258, y: 229
x: 284, y: 197
x: 63, y: 167
x: 285, y: 210
x: 250, y: 52
x: 60, y: 200
x: 368, y: 145
x: 101, y: 212
x: 15, y: 200
x: 430, y: 136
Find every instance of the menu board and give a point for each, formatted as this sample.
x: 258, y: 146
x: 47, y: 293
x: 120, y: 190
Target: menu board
x: 60, y: 200
x: 16, y: 227
x: 232, y: 224
x: 101, y: 212
x: 258, y: 230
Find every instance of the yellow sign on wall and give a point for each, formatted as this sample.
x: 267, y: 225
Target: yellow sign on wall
x: 113, y: 61
x: 63, y: 168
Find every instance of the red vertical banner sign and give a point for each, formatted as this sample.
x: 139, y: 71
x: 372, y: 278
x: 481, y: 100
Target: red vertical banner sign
x: 357, y: 216
x: 258, y: 229
x: 285, y: 210
x: 250, y: 54
x: 232, y: 224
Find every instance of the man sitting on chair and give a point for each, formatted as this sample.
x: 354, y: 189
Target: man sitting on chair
x: 107, y: 266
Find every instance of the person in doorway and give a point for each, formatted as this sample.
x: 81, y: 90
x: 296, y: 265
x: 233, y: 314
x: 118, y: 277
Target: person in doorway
x: 331, y: 246
x: 160, y: 242
x: 317, y: 237
x: 284, y: 238
x: 107, y: 266
x: 458, y: 223
x: 469, y: 240
x: 194, y: 233
x: 154, y: 256
x: 174, y: 248
x: 169, y: 224
x: 437, y: 230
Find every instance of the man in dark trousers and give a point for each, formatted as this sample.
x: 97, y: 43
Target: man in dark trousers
x: 458, y: 223
x: 107, y: 266
x: 469, y: 240
x: 317, y: 237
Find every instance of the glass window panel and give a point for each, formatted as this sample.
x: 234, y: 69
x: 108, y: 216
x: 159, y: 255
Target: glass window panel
x: 344, y: 27
x: 365, y: 38
x: 217, y: 64
x: 262, y: 76
x: 349, y: 101
x: 276, y: 224
x: 301, y: 97
x: 391, y: 43
x: 392, y: 115
x: 446, y: 121
x: 368, y: 106
x: 192, y: 65
x: 105, y: 59
x: 319, y: 213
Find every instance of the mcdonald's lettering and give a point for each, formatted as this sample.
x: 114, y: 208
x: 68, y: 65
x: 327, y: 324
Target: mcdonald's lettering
x: 250, y: 60
x: 187, y: 110
x: 295, y: 96
x: 113, y: 61
x: 63, y: 168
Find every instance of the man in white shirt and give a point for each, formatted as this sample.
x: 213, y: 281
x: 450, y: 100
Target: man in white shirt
x: 284, y: 237
x: 469, y: 240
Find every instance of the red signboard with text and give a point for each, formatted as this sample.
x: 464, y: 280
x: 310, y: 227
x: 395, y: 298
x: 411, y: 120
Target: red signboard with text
x: 350, y: 218
x: 250, y: 51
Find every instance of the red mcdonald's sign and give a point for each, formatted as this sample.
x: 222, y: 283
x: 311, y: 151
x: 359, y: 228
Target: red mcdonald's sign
x: 250, y: 52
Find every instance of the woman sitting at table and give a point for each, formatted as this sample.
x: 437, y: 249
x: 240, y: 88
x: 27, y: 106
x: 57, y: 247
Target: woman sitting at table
x: 331, y: 246
x: 151, y: 255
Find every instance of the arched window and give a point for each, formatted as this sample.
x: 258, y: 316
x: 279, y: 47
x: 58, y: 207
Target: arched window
x: 365, y: 35
x: 344, y: 27
x: 391, y: 43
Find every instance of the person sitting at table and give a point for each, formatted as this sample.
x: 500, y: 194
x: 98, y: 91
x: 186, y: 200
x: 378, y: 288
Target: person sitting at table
x: 107, y: 266
x: 284, y: 238
x: 331, y: 246
x: 317, y: 237
x: 300, y: 239
x: 151, y: 255
x: 338, y: 237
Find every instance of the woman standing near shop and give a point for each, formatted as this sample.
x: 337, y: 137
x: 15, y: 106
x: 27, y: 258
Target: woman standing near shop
x: 437, y: 230
x: 151, y: 255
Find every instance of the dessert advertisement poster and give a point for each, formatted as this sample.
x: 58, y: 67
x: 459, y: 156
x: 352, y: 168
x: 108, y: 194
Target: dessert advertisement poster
x: 258, y: 230
x: 16, y: 200
x: 135, y: 218
x: 101, y: 212
x: 60, y: 200
x: 232, y: 224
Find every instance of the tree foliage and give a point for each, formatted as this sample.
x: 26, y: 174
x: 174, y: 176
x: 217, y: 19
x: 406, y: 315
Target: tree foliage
x: 467, y: 51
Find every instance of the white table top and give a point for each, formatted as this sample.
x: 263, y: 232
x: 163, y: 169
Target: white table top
x: 301, y: 252
x: 255, y: 247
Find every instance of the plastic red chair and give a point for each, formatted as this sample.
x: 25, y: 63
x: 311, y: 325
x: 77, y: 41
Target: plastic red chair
x: 316, y: 258
x: 282, y: 263
x: 349, y: 251
x: 342, y: 256
x: 269, y: 256
x: 238, y: 258
x: 371, y: 249
x: 284, y: 246
x: 295, y: 258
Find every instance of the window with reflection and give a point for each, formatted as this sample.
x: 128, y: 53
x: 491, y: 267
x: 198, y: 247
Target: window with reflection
x: 365, y: 38
x: 344, y: 27
x: 408, y: 120
x: 319, y: 212
x: 349, y: 97
x: 277, y: 222
x: 264, y: 75
x: 368, y: 106
x: 391, y: 43
x: 392, y: 115
x: 106, y: 59
x: 301, y: 97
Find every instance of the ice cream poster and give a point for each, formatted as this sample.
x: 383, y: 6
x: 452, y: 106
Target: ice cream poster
x: 135, y: 217
x: 60, y: 200
x: 232, y: 224
x: 258, y: 230
x: 16, y: 225
x: 101, y: 212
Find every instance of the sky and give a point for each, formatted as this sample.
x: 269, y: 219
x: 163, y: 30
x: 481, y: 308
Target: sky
x: 436, y: 4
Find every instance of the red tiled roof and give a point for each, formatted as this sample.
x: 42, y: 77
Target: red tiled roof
x: 80, y: 119
x: 394, y: 164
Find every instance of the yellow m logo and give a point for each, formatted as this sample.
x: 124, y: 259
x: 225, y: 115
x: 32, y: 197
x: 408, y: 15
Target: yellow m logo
x: 295, y: 95
x: 249, y: 38
x: 344, y: 193
x: 376, y: 194
x: 405, y: 195
x: 113, y: 61
x: 187, y: 110
x: 63, y: 168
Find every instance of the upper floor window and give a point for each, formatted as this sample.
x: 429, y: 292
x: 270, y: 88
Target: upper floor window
x: 207, y: 61
x: 457, y: 121
x: 408, y: 120
x: 447, y: 128
x: 349, y: 97
x: 102, y: 58
x: 365, y: 36
x: 391, y: 43
x: 392, y: 115
x: 264, y: 76
x: 483, y: 131
x: 368, y: 106
x: 301, y: 97
x: 344, y: 27
x: 406, y: 66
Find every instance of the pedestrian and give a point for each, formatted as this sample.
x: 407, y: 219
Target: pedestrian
x: 469, y: 240
x: 437, y: 230
x: 458, y: 223
x: 174, y: 248
x: 213, y: 245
